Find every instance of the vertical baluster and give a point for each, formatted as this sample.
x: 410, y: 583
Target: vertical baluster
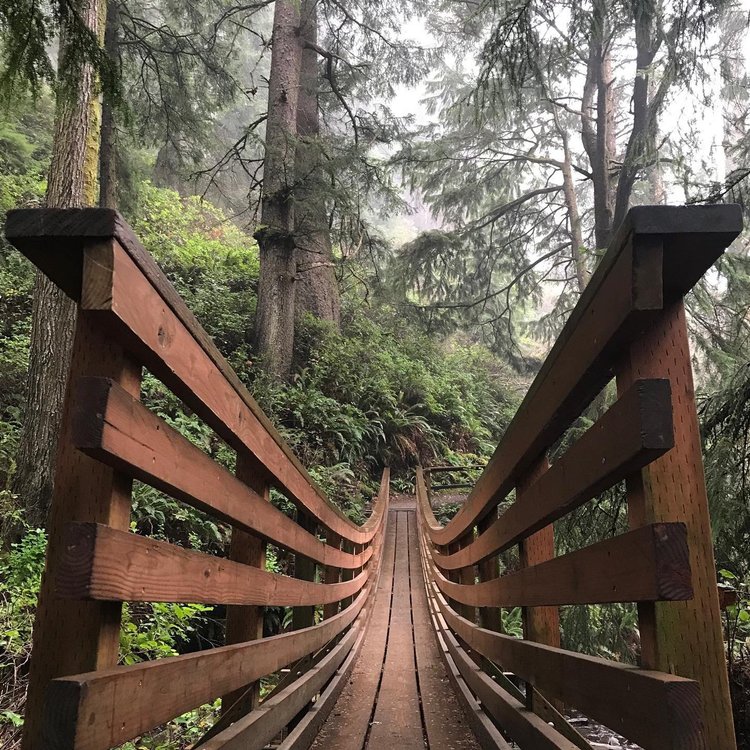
x: 332, y: 574
x: 540, y: 624
x: 304, y: 568
x: 245, y: 623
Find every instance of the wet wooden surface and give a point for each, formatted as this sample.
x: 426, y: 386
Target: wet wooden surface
x: 399, y: 695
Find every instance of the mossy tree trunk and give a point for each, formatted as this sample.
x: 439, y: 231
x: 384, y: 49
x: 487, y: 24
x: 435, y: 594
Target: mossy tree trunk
x: 317, y: 289
x: 72, y: 182
x: 274, y: 323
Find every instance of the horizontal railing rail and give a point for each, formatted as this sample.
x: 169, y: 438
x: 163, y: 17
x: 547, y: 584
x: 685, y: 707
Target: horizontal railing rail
x: 628, y: 325
x: 659, y: 253
x: 130, y: 317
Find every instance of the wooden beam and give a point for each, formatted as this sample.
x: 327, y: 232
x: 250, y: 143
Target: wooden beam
x: 682, y: 637
x: 107, y: 707
x: 257, y: 729
x: 136, y: 314
x: 541, y: 624
x: 659, y: 711
x: 650, y: 563
x: 53, y: 239
x: 632, y: 433
x: 124, y: 434
x: 627, y: 293
x: 245, y: 623
x: 304, y: 570
x: 106, y: 564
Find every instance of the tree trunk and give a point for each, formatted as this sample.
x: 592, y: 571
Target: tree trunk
x: 108, y: 151
x: 72, y: 182
x: 598, y: 121
x: 646, y: 104
x: 317, y: 289
x: 274, y: 321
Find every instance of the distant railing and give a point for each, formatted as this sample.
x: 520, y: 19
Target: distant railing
x: 129, y: 316
x: 628, y: 325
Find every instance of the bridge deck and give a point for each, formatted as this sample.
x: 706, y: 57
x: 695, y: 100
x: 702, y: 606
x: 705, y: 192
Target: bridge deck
x: 399, y: 695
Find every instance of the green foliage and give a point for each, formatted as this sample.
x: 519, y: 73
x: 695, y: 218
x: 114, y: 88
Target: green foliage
x: 20, y: 577
x: 183, y: 731
x: 213, y: 264
x: 158, y: 629
x: 737, y: 615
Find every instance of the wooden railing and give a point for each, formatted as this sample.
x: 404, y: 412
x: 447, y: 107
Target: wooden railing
x: 129, y: 316
x: 628, y: 325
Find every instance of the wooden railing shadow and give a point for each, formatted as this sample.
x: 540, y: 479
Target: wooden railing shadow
x: 129, y: 316
x: 629, y: 326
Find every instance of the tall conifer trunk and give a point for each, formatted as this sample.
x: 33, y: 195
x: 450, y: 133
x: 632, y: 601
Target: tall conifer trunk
x: 274, y: 321
x: 317, y: 289
x: 108, y: 187
x: 72, y: 182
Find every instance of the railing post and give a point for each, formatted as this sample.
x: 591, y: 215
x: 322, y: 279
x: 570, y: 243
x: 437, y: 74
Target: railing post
x: 245, y: 623
x: 332, y: 574
x: 304, y: 568
x: 540, y: 624
x: 489, y: 617
x: 79, y: 636
x: 683, y: 638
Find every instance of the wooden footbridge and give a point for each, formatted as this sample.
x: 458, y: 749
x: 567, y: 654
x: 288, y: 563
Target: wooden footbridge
x: 396, y: 638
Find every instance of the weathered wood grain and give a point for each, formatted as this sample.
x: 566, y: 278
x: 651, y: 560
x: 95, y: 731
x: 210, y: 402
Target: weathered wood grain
x: 626, y: 294
x: 113, y: 427
x: 650, y: 563
x: 245, y: 623
x: 657, y: 710
x: 110, y: 565
x: 685, y: 637
x: 137, y: 315
x: 74, y: 636
x: 258, y: 728
x: 632, y: 433
x: 105, y: 708
x: 53, y: 240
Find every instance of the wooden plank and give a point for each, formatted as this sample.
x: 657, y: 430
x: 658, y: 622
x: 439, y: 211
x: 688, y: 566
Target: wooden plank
x: 684, y: 637
x: 525, y: 727
x: 245, y: 623
x: 115, y: 428
x: 650, y: 563
x: 135, y: 313
x: 625, y: 294
x: 396, y: 721
x: 633, y: 432
x: 84, y: 490
x: 108, y: 707
x: 346, y: 727
x: 257, y: 729
x: 110, y: 565
x: 307, y: 729
x: 659, y: 711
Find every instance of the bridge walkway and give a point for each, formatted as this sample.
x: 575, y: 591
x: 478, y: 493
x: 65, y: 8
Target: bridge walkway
x: 399, y: 694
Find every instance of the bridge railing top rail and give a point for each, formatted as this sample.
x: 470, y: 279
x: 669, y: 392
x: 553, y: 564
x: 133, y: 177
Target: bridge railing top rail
x: 656, y: 257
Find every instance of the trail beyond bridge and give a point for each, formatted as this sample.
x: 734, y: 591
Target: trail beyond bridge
x: 396, y: 637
